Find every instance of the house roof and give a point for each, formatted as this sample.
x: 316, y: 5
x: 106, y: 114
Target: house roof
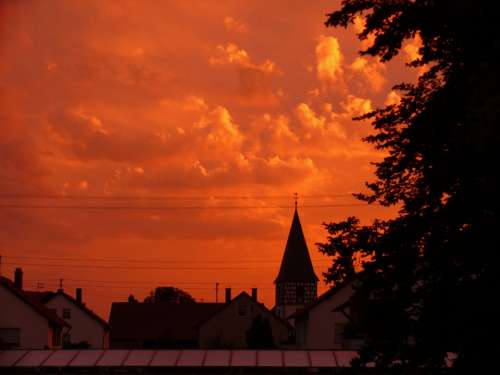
x: 296, y: 264
x: 157, y: 321
x: 325, y: 296
x: 38, y: 296
x: 34, y: 304
x: 46, y: 296
x: 245, y: 295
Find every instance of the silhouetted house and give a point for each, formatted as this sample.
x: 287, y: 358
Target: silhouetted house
x: 158, y: 325
x: 229, y: 326
x: 87, y: 328
x: 327, y: 323
x: 296, y: 283
x: 25, y: 323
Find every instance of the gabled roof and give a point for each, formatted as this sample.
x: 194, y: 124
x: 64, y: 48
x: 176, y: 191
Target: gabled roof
x: 38, y: 296
x: 45, y: 296
x: 296, y: 264
x: 38, y: 307
x: 245, y: 295
x: 157, y: 321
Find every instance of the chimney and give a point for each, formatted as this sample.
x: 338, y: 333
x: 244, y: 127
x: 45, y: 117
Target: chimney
x: 18, y: 278
x: 254, y: 294
x: 79, y: 295
x: 228, y: 295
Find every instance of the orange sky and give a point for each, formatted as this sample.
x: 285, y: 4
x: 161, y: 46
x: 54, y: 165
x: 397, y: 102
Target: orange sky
x: 192, y: 99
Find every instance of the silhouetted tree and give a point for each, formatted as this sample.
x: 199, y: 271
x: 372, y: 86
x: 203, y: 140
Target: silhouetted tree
x: 132, y: 299
x: 169, y: 294
x: 433, y: 269
x: 260, y: 335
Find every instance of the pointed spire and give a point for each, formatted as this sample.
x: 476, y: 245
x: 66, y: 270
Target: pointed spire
x: 296, y: 264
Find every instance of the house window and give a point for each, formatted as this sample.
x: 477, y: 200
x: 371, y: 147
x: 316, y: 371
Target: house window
x: 66, y: 313
x: 56, y: 336
x: 338, y: 333
x: 10, y: 337
x: 242, y: 310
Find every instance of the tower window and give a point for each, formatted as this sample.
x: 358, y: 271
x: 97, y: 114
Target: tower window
x: 299, y: 294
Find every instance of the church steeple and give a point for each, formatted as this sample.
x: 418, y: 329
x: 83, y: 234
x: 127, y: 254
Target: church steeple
x: 296, y: 283
x: 296, y: 264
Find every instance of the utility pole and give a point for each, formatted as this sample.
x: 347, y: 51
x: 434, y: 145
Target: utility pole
x: 216, y: 292
x: 60, y: 284
x: 0, y: 264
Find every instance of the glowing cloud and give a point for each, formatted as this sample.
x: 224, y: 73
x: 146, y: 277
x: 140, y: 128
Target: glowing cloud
x: 232, y: 24
x: 371, y: 72
x: 329, y: 59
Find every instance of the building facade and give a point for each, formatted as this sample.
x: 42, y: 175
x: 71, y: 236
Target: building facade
x: 229, y: 327
x: 25, y: 324
x: 87, y: 328
x: 325, y: 323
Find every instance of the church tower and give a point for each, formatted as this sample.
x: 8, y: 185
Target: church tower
x: 296, y: 283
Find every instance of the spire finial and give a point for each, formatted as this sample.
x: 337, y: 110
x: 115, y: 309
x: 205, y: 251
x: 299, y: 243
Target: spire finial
x: 296, y: 196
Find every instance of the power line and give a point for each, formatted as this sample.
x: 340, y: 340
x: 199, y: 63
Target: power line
x: 172, y: 208
x: 142, y: 287
x: 145, y: 283
x: 172, y: 197
x: 139, y: 268
x: 152, y: 260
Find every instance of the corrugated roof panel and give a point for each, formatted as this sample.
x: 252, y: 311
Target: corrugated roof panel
x: 296, y: 358
x: 165, y: 358
x: 344, y: 357
x: 86, y: 358
x: 191, y: 358
x: 34, y: 358
x: 217, y: 358
x: 9, y: 357
x: 60, y: 358
x: 139, y: 358
x: 244, y: 358
x: 113, y: 358
x: 322, y: 358
x: 269, y: 358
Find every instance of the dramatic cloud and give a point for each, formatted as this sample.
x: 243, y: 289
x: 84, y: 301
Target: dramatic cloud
x: 232, y: 24
x: 370, y: 73
x: 329, y: 59
x: 136, y: 116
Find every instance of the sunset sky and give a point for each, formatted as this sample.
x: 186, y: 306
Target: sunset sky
x: 113, y: 108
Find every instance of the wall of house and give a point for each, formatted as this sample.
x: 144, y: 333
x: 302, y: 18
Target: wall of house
x: 35, y: 332
x: 284, y: 311
x: 83, y: 326
x: 228, y: 327
x: 320, y: 329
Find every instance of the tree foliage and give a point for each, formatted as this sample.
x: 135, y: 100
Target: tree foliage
x: 169, y: 294
x: 435, y: 265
